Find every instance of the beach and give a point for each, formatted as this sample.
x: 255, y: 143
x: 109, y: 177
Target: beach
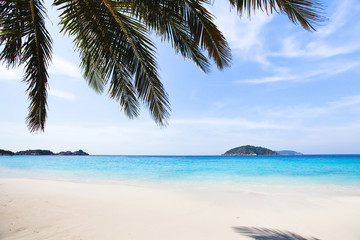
x: 54, y: 209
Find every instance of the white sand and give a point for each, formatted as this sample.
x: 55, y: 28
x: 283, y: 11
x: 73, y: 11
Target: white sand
x: 43, y: 209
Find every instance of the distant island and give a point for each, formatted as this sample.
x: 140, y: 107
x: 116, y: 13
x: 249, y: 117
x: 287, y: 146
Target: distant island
x: 289, y: 152
x: 80, y: 152
x: 249, y: 150
x: 6, y: 153
x: 40, y: 152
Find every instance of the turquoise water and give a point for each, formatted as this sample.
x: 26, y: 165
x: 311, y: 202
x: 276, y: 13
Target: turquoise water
x: 301, y: 170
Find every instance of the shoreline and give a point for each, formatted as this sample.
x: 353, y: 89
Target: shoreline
x: 55, y: 209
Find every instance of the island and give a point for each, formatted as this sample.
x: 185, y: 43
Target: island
x: 249, y: 150
x: 35, y: 152
x: 80, y: 152
x: 289, y: 152
x: 41, y: 152
x: 6, y: 153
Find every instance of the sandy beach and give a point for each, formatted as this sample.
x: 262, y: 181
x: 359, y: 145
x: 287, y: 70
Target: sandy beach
x: 47, y: 209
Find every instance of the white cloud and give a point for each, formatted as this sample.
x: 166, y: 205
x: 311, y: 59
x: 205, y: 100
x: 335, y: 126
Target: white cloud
x: 305, y: 74
x: 248, y: 39
x: 62, y: 94
x: 243, y: 34
x: 345, y: 102
x: 337, y: 19
x: 269, y: 79
x: 61, y: 66
x: 240, y: 123
x: 301, y: 112
x: 10, y: 74
x: 291, y: 48
x: 330, y: 40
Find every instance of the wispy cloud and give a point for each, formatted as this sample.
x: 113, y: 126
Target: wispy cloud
x: 62, y: 94
x: 319, y: 49
x: 244, y: 34
x: 337, y: 19
x: 330, y: 40
x: 61, y: 66
x: 298, y: 75
x: 345, y: 102
x: 301, y: 112
x: 10, y: 74
x: 240, y: 123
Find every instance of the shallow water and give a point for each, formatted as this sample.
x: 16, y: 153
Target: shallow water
x: 343, y: 170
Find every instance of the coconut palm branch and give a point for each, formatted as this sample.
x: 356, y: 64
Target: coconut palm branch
x: 188, y: 26
x: 26, y: 41
x: 115, y: 47
x: 307, y: 13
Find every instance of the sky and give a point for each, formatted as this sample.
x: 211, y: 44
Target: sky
x: 287, y: 88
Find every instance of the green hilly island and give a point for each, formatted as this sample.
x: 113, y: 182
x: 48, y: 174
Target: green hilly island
x: 249, y: 150
x: 40, y: 152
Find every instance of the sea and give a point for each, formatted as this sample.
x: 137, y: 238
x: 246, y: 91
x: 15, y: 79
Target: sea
x: 301, y: 170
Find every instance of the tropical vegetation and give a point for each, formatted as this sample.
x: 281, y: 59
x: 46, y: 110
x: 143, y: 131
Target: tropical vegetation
x: 40, y: 152
x: 113, y: 40
x: 6, y: 153
x: 250, y: 150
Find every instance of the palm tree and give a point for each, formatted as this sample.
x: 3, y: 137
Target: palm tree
x: 113, y: 41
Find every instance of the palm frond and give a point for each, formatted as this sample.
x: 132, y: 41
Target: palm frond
x: 101, y: 57
x: 187, y: 25
x: 115, y: 46
x: 142, y: 63
x: 11, y: 31
x: 124, y: 92
x: 205, y: 32
x: 26, y: 41
x: 164, y: 18
x: 307, y: 13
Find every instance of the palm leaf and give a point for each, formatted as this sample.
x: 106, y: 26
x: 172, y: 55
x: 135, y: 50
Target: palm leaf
x: 100, y: 50
x: 115, y: 46
x: 164, y: 18
x: 307, y: 13
x: 26, y: 41
x: 188, y: 26
x: 205, y: 32
x: 142, y: 64
x: 12, y: 31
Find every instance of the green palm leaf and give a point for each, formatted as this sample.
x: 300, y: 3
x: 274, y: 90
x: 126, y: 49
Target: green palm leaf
x: 187, y: 25
x: 305, y: 12
x: 206, y: 33
x: 27, y: 42
x: 12, y: 31
x: 117, y: 47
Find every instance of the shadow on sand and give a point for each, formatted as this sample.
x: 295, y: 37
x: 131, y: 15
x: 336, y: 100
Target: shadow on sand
x: 269, y: 234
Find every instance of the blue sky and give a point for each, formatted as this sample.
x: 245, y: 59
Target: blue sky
x: 286, y: 89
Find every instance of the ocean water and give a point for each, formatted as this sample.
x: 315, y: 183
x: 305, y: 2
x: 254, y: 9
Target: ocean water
x: 343, y: 170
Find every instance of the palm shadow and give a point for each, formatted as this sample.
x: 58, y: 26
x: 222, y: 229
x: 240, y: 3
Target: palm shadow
x: 270, y: 234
